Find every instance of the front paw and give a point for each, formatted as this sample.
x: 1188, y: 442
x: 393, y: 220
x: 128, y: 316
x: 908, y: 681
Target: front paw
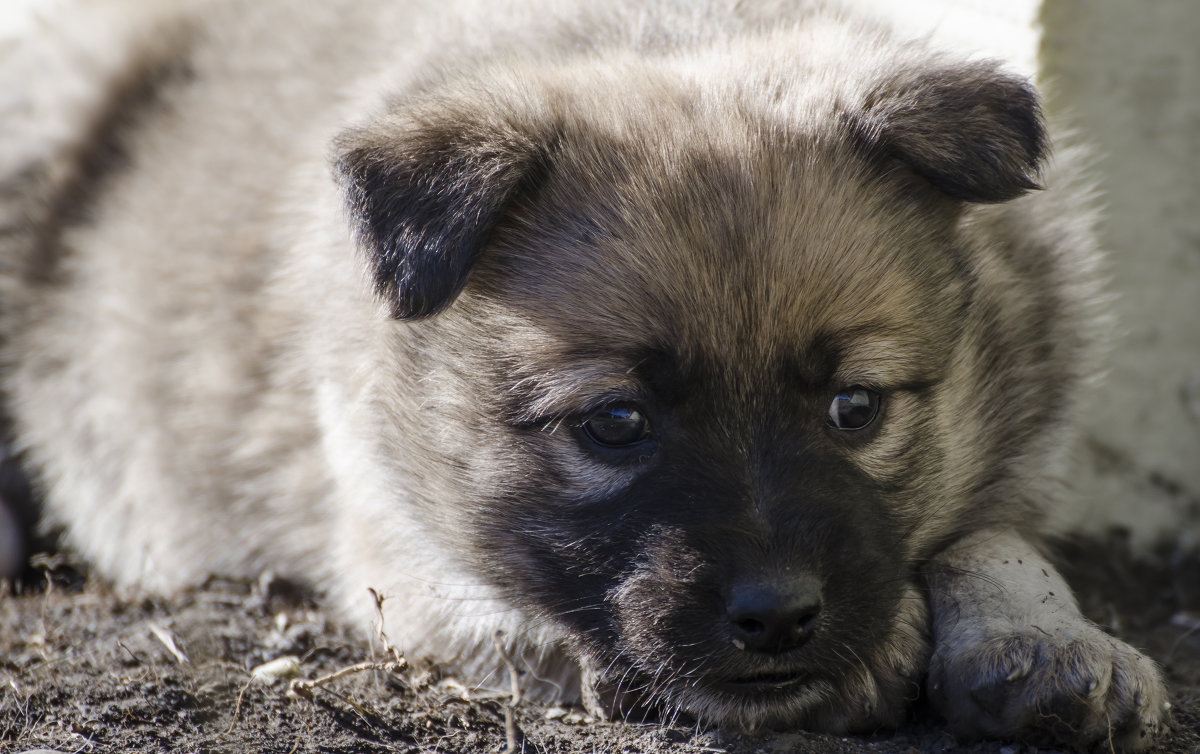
x: 1073, y: 684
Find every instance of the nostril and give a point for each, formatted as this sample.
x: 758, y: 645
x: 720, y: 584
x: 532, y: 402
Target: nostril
x: 806, y: 619
x: 750, y: 627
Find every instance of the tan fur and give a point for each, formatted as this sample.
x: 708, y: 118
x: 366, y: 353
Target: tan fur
x: 233, y: 338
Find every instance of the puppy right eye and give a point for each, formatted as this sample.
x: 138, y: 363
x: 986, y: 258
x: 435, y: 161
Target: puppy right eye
x: 620, y: 425
x: 854, y: 408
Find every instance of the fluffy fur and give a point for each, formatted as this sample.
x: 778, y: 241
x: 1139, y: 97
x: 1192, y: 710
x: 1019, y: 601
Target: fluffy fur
x: 343, y: 294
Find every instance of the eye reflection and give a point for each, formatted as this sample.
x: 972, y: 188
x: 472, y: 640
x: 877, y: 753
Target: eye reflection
x: 854, y: 408
x: 620, y: 425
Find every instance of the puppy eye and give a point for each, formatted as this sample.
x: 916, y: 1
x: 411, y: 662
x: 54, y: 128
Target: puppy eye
x: 620, y: 425
x: 854, y: 408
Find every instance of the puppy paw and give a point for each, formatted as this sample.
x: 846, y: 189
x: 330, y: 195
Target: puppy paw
x: 1073, y: 684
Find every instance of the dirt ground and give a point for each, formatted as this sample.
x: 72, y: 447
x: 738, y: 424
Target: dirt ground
x: 83, y: 670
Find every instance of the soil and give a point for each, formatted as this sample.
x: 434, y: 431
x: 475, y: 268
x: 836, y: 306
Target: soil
x: 83, y: 669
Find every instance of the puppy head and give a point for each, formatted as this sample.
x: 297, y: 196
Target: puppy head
x: 681, y: 394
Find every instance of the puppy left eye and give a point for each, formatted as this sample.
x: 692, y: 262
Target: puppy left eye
x: 854, y: 408
x: 620, y: 425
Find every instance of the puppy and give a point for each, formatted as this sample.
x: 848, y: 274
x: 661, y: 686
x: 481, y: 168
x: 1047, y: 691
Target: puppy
x: 722, y: 350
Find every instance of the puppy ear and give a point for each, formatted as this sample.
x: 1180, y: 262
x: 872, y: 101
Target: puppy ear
x: 972, y: 131
x: 425, y: 194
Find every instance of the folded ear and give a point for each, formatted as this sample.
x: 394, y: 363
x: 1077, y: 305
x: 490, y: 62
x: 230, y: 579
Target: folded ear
x: 971, y: 130
x: 425, y: 192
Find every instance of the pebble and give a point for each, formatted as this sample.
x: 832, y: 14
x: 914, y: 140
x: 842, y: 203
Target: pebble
x: 574, y: 718
x: 281, y: 668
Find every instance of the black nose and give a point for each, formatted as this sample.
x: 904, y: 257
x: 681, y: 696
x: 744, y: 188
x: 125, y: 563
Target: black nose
x: 774, y: 617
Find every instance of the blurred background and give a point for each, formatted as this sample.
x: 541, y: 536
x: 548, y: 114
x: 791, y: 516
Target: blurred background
x: 1127, y: 75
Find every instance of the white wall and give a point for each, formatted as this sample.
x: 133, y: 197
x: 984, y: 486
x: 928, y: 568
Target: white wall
x: 1129, y: 74
x: 1126, y: 74
x: 1003, y: 29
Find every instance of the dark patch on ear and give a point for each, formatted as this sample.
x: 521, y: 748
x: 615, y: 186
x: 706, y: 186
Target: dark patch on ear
x: 972, y: 131
x: 425, y: 198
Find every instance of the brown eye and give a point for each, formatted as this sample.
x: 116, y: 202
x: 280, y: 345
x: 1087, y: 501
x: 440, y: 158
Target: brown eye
x: 620, y: 425
x: 854, y: 408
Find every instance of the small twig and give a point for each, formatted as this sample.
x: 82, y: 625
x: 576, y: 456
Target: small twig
x: 237, y: 707
x: 304, y: 688
x: 168, y: 641
x: 383, y: 639
x: 367, y: 715
x: 131, y: 653
x: 512, y: 734
x: 87, y: 744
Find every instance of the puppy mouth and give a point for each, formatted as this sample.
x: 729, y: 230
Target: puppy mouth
x: 766, y: 683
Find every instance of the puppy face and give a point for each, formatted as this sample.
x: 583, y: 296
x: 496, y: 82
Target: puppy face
x: 687, y: 405
x: 708, y: 400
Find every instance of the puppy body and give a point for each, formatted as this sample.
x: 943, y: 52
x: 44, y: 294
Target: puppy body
x: 374, y: 296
